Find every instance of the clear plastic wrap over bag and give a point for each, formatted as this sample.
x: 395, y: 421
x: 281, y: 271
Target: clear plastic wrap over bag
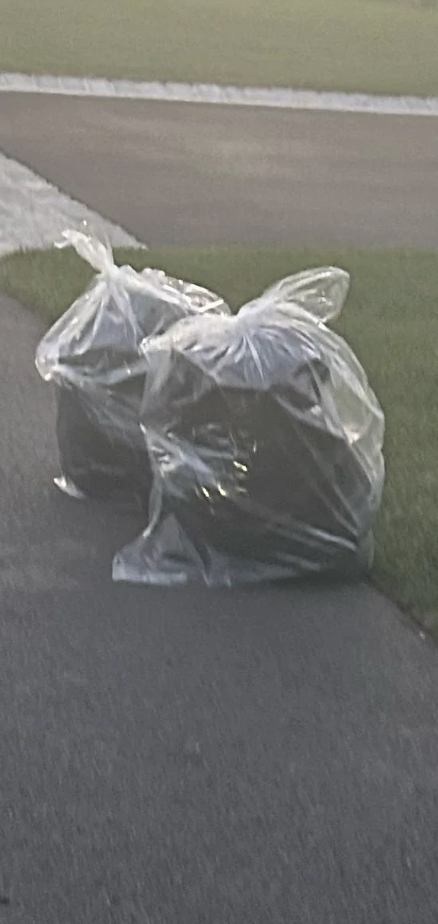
x: 92, y: 353
x: 266, y: 445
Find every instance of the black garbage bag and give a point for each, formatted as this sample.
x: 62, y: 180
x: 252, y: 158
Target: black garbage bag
x: 102, y: 456
x: 266, y: 444
x: 93, y: 355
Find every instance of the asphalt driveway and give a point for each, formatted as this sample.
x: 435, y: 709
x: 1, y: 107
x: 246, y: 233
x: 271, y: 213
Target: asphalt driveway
x: 193, y: 756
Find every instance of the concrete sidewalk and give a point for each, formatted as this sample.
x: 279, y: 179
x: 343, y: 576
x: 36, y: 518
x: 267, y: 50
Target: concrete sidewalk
x: 263, y: 755
x: 183, y: 174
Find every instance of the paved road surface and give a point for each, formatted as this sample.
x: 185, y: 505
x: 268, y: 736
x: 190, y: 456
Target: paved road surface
x: 184, y: 757
x: 175, y: 173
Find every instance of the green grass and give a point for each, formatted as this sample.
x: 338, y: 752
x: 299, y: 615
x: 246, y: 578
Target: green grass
x: 391, y: 320
x: 355, y: 45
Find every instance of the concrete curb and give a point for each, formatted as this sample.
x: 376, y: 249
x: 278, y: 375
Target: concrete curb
x: 271, y: 97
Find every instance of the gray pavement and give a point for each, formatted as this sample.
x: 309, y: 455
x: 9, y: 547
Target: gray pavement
x: 261, y: 756
x: 181, y: 174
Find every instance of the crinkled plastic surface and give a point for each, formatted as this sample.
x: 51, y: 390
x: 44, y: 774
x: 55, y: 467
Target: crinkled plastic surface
x: 266, y: 445
x: 92, y: 354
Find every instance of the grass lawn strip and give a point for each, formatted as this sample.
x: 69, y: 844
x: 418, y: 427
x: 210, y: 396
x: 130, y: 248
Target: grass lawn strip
x: 346, y: 45
x: 390, y: 320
